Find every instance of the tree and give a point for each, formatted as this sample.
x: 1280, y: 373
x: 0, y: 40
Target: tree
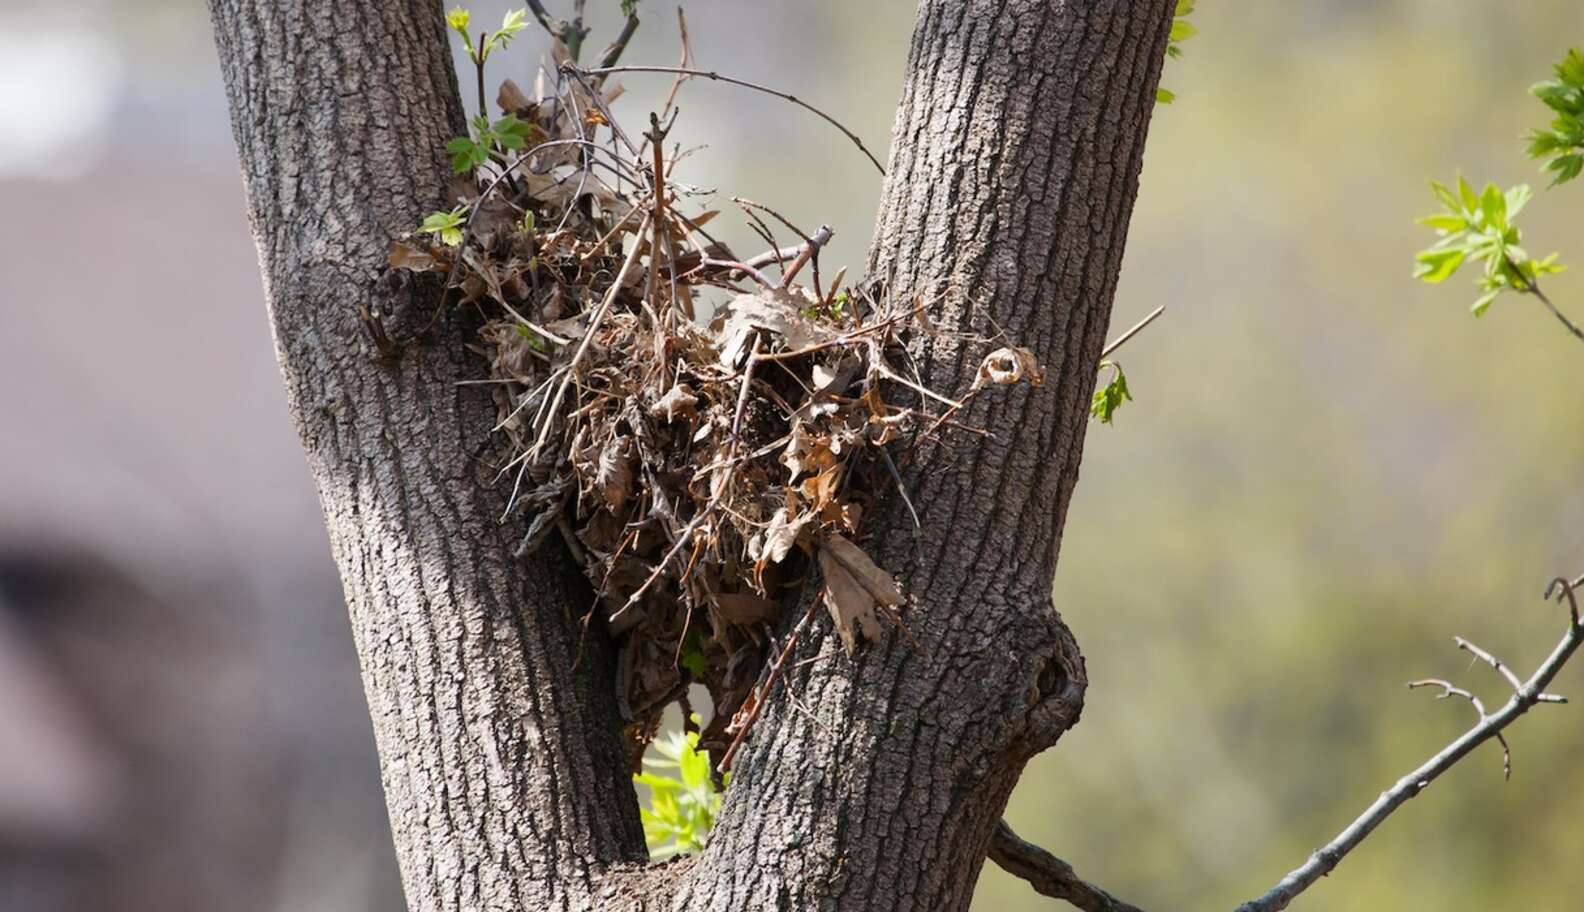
x: 1016, y: 157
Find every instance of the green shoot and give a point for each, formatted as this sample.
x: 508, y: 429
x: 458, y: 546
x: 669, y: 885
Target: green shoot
x: 682, y: 807
x: 1181, y: 31
x: 446, y: 225
x: 1110, y: 397
x: 1479, y: 228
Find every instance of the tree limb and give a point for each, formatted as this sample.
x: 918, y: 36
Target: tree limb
x: 1054, y: 877
x: 1049, y: 875
x: 1524, y: 698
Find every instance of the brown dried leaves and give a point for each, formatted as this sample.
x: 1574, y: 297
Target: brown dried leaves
x: 696, y: 466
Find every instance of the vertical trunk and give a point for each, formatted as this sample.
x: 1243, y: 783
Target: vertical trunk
x: 499, y: 749
x: 877, y: 783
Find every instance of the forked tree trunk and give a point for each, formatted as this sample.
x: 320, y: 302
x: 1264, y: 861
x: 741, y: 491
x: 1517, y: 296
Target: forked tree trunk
x: 871, y: 783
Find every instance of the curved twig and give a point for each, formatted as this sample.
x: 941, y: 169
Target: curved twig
x: 711, y: 74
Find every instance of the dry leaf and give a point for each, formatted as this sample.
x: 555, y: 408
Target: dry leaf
x: 615, y: 476
x: 745, y: 609
x: 405, y: 255
x: 781, y: 536
x: 851, y: 605
x: 1009, y: 365
x: 511, y: 99
x: 878, y: 582
x: 678, y: 400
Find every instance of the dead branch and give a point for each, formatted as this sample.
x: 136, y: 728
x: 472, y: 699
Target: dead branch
x: 1526, y: 696
x: 1054, y: 877
x: 711, y: 74
x: 1049, y: 875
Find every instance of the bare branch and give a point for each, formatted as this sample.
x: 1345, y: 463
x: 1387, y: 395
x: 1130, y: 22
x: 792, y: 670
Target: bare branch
x: 1449, y: 690
x: 1134, y: 330
x: 1527, y: 695
x: 711, y: 74
x: 1533, y: 287
x: 1049, y: 875
x: 614, y: 52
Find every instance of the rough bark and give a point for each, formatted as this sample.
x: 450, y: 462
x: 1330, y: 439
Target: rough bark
x: 870, y: 783
x: 877, y: 783
x: 500, y: 753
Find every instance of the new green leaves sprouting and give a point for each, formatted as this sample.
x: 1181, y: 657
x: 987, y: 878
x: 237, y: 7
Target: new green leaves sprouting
x: 468, y: 153
x: 458, y: 19
x: 1110, y: 397
x: 682, y: 806
x: 1181, y: 31
x: 1563, y: 142
x: 446, y: 225
x: 1478, y: 227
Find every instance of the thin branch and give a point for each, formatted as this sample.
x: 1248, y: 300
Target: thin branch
x: 1533, y: 288
x: 1529, y: 693
x: 614, y: 52
x: 551, y: 24
x: 1448, y: 690
x: 711, y: 74
x: 1054, y: 877
x: 1133, y: 331
x: 1049, y: 875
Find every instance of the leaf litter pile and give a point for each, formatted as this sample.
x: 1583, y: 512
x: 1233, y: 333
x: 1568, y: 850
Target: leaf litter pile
x: 699, y: 429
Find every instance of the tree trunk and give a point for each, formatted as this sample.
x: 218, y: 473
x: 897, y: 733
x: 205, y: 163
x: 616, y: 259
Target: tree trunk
x: 503, y: 768
x: 869, y: 783
x: 1015, y: 160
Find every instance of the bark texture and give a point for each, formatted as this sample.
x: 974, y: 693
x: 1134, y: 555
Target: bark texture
x: 873, y: 783
x: 500, y: 753
x: 877, y: 783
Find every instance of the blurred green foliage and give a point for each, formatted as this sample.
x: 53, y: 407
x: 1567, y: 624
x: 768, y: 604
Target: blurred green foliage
x: 1480, y: 227
x: 1563, y: 142
x: 682, y: 799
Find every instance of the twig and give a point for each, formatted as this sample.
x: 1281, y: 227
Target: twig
x: 1049, y: 875
x: 1448, y: 690
x: 1325, y: 859
x: 614, y: 52
x: 820, y: 238
x: 687, y: 60
x: 1053, y: 877
x: 588, y: 338
x: 1133, y: 331
x: 760, y: 694
x: 1533, y: 288
x: 711, y: 74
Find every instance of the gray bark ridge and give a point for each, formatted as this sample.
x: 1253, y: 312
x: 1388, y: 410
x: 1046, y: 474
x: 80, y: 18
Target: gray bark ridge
x: 869, y: 783
x: 496, y: 724
x: 877, y: 783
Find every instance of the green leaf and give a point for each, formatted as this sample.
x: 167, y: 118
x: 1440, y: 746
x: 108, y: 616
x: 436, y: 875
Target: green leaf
x: 1483, y: 302
x: 1517, y: 198
x: 1182, y: 30
x: 629, y: 7
x: 446, y: 225
x: 1436, y: 266
x: 466, y: 154
x: 458, y: 20
x: 1107, y: 400
x: 1164, y: 96
x: 1493, y: 206
x: 1445, y: 223
x: 1567, y: 167
x: 1469, y: 200
x: 510, y: 132
x: 1446, y: 196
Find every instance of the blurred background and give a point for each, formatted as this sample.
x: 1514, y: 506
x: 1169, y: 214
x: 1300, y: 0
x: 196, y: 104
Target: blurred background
x: 1328, y: 472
